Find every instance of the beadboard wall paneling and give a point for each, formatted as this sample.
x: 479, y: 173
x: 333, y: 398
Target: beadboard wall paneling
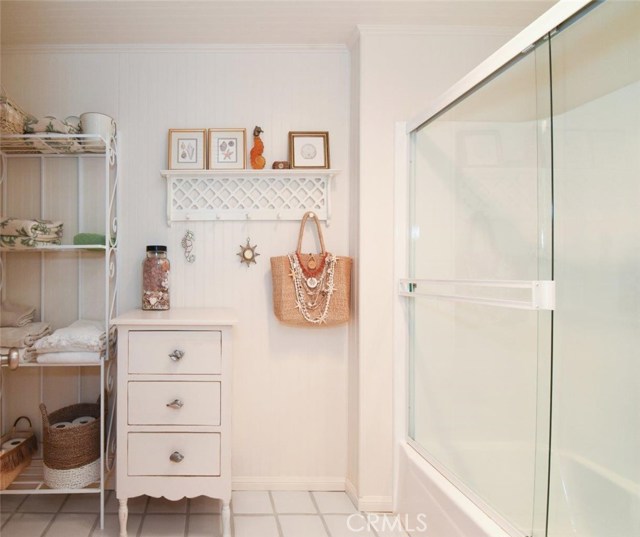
x: 290, y: 385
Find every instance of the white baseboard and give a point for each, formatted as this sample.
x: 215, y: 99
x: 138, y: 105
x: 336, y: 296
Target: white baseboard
x: 370, y: 504
x: 288, y: 483
x: 352, y: 492
x: 376, y: 504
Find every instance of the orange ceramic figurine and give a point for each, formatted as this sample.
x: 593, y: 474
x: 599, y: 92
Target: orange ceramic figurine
x: 257, y: 160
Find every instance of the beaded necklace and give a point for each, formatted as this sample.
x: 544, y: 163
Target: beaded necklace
x: 313, y: 293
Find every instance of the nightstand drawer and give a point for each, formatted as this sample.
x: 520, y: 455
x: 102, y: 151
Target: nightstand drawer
x: 174, y: 352
x: 174, y: 403
x: 174, y: 454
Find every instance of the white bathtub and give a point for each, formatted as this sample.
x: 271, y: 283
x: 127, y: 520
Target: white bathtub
x: 423, y: 494
x: 588, y: 500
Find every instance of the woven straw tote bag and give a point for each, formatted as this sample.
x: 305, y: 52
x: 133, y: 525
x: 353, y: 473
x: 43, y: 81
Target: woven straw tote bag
x: 311, y: 290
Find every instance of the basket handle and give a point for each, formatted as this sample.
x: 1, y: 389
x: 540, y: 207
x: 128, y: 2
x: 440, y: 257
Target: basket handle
x: 15, y: 423
x: 45, y: 416
x: 307, y: 215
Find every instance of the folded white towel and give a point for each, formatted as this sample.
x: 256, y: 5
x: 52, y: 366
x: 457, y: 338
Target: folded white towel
x: 68, y: 358
x: 82, y: 335
x: 23, y: 336
x: 12, y: 314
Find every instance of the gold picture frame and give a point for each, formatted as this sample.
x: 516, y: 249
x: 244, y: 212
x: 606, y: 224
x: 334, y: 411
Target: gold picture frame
x: 309, y: 149
x: 227, y: 149
x: 187, y: 149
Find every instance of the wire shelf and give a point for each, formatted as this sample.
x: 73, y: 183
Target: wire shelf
x: 51, y: 144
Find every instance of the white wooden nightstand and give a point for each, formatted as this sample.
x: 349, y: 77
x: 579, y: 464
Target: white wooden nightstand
x: 174, y: 406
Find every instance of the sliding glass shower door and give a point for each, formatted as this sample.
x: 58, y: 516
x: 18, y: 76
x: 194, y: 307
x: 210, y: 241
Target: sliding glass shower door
x: 479, y: 270
x: 524, y: 278
x: 595, y: 465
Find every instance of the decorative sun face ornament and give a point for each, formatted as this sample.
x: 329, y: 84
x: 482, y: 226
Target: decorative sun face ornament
x: 248, y: 253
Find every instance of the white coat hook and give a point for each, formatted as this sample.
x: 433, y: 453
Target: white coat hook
x: 248, y: 216
x: 279, y: 216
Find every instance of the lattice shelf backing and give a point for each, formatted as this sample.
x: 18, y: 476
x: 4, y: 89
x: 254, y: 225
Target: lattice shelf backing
x: 247, y: 194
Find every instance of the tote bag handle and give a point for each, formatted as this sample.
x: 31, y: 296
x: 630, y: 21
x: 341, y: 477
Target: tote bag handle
x: 307, y: 215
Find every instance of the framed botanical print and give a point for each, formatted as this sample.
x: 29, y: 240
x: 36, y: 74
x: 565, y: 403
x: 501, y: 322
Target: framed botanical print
x: 309, y: 149
x: 227, y: 149
x: 187, y: 149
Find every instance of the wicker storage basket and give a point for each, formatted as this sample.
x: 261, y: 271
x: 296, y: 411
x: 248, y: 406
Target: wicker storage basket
x: 12, y: 117
x: 16, y: 459
x: 71, y: 455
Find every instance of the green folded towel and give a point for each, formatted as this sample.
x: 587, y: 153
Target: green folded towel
x: 94, y: 239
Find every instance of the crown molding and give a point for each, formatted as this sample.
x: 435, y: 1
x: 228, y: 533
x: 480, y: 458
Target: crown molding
x: 434, y: 30
x: 172, y: 48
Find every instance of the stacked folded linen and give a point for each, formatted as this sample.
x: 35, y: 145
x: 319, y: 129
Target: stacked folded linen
x: 81, y: 341
x: 12, y: 314
x: 24, y: 338
x: 29, y: 233
x: 73, y: 357
x: 49, y: 125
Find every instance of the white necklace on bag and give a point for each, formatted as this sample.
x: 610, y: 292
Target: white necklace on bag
x: 313, y: 294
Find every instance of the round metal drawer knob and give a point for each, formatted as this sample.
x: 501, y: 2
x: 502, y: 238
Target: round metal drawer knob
x: 176, y: 403
x: 176, y: 456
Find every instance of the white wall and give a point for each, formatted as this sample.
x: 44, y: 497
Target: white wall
x: 353, y: 418
x: 294, y: 424
x: 401, y: 71
x: 290, y: 385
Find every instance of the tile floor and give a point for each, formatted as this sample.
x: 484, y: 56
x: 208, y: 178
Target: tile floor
x: 254, y: 514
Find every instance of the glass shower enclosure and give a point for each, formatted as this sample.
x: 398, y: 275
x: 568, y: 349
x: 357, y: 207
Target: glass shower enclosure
x: 524, y: 283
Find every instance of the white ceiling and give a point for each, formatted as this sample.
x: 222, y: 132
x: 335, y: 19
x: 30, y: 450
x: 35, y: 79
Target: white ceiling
x: 37, y: 22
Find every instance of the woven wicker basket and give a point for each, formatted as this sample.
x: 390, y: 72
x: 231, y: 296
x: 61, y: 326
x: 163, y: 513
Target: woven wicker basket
x: 12, y: 117
x: 71, y: 455
x: 16, y: 459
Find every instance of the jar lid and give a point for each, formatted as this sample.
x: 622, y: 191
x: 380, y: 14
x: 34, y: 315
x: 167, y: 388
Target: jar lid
x: 156, y: 248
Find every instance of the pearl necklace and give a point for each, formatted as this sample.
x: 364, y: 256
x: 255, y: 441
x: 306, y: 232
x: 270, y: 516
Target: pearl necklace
x: 313, y: 293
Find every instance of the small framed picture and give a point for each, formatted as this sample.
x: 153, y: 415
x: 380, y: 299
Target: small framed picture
x: 309, y: 149
x: 227, y: 149
x: 187, y: 149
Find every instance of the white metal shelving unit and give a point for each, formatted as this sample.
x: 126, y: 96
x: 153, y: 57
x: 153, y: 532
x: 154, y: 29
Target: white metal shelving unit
x: 248, y: 194
x: 79, y: 148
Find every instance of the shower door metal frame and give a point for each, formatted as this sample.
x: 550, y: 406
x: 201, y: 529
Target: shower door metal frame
x: 520, y: 44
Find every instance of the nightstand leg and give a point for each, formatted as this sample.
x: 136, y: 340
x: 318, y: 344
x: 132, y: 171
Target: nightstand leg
x: 123, y: 514
x: 226, y: 519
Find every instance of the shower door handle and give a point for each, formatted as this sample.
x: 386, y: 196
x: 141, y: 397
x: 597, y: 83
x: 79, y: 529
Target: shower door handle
x: 542, y: 293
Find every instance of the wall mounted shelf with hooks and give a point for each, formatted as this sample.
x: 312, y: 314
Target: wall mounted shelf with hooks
x: 194, y: 195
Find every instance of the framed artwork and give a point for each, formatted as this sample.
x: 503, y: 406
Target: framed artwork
x: 227, y: 149
x: 187, y: 149
x: 309, y: 149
